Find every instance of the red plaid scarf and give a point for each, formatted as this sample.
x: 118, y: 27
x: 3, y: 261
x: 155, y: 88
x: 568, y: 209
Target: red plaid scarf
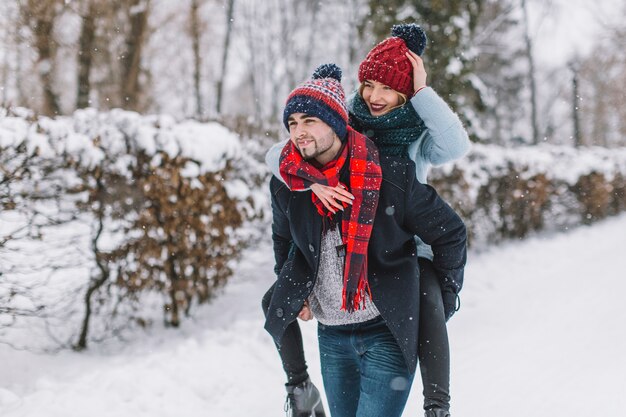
x: 358, y: 218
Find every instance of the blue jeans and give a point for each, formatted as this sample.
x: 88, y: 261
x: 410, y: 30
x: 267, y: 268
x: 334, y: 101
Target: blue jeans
x: 364, y: 371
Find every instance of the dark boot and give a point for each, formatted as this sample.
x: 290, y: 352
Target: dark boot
x: 437, y: 412
x: 303, y: 400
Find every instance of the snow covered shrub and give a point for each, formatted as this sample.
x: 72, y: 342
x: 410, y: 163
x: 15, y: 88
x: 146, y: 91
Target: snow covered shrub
x: 595, y: 194
x: 149, y: 214
x: 618, y: 202
x: 42, y: 235
x: 506, y: 193
x: 181, y: 239
x: 186, y: 191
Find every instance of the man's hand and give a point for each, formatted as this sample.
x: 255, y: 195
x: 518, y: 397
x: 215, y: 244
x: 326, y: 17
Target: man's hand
x: 332, y: 197
x: 305, y: 314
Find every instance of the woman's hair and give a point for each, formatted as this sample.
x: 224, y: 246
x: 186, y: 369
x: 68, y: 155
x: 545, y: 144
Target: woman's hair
x: 403, y: 97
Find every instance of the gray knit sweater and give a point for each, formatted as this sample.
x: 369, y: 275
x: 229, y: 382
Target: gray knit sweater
x: 326, y: 299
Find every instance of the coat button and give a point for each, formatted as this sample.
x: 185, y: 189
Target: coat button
x: 309, y: 283
x: 279, y: 312
x: 311, y: 248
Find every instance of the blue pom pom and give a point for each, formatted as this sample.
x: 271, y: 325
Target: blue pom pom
x: 327, y: 71
x: 413, y: 35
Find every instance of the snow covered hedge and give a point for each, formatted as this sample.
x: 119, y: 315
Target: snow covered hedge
x: 104, y: 216
x: 509, y: 193
x: 109, y: 220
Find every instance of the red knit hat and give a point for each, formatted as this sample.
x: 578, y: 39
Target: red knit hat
x: 387, y: 62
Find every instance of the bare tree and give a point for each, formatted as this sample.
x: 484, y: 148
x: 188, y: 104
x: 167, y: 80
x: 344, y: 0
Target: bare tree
x: 138, y: 11
x: 40, y: 16
x: 196, y: 31
x: 103, y: 273
x: 574, y: 66
x: 229, y: 28
x: 250, y: 14
x: 308, y: 52
x: 5, y: 30
x: 602, y: 80
x: 357, y: 45
x: 531, y: 76
x: 17, y: 42
x: 86, y: 44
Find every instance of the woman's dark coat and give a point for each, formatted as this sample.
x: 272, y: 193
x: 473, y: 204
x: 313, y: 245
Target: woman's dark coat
x: 405, y: 208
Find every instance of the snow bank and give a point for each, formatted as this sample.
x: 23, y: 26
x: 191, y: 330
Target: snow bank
x: 534, y: 337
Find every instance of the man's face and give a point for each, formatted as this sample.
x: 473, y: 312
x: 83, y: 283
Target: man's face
x: 313, y: 138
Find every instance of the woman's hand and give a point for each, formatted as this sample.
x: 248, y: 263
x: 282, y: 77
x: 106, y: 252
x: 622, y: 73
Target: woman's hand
x: 332, y: 197
x: 305, y: 314
x: 419, y: 72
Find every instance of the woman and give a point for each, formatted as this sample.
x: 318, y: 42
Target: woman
x: 394, y: 107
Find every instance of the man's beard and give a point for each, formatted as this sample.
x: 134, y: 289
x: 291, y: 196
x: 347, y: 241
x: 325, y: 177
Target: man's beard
x: 309, y: 157
x: 314, y: 151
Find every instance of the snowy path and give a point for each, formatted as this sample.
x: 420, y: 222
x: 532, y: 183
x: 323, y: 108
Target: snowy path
x: 540, y: 333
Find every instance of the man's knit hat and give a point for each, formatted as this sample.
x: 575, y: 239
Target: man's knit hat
x: 322, y: 97
x: 387, y: 62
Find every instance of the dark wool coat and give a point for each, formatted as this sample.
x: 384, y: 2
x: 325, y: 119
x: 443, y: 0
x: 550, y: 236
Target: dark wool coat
x: 405, y: 208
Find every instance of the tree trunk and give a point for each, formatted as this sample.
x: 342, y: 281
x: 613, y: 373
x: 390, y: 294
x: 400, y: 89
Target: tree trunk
x: 45, y: 66
x: 41, y: 16
x: 5, y: 69
x: 131, y: 60
x: 220, y: 81
x: 250, y: 16
x: 197, y: 59
x: 85, y: 55
x: 574, y: 66
x: 354, y: 41
x: 308, y: 56
x: 22, y: 98
x: 600, y: 127
x: 531, y: 76
x: 96, y: 283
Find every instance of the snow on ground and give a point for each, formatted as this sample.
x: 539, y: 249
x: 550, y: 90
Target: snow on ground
x: 540, y: 333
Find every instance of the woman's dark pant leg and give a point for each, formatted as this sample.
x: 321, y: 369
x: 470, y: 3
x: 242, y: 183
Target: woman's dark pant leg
x: 291, y: 350
x: 434, y: 349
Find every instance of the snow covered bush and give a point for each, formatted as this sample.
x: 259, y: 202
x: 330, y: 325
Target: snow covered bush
x: 113, y: 220
x: 137, y: 212
x: 505, y: 193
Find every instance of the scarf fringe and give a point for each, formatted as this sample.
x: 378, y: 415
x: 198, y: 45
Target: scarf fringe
x: 356, y: 300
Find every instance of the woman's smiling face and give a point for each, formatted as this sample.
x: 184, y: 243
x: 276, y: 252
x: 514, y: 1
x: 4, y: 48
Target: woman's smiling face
x: 380, y: 99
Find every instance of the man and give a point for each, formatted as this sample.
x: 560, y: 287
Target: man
x: 356, y: 271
